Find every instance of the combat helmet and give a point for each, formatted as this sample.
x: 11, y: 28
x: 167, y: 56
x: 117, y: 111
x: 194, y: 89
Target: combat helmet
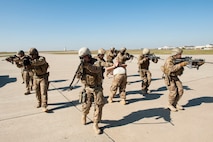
x: 112, y: 48
x: 146, y: 51
x: 176, y: 51
x: 123, y: 49
x: 20, y: 53
x: 33, y: 51
x: 101, y: 51
x: 83, y: 52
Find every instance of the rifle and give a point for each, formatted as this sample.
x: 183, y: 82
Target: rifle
x: 77, y: 71
x: 11, y: 59
x: 130, y: 57
x: 193, y: 63
x: 152, y: 57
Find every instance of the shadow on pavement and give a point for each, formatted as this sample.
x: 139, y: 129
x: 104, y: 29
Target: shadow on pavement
x: 138, y: 115
x: 153, y: 79
x: 56, y: 81
x: 62, y: 105
x: 67, y: 88
x: 4, y: 79
x: 151, y: 96
x: 130, y: 82
x: 133, y: 75
x: 198, y: 101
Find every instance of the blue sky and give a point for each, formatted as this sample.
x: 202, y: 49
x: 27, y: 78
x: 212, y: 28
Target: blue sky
x: 134, y: 24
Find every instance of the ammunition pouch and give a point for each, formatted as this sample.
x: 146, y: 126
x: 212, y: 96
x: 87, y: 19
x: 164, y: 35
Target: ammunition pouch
x: 82, y: 96
x: 180, y: 71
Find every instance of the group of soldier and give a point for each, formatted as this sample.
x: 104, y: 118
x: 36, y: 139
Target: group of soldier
x: 34, y: 74
x: 92, y: 70
x: 91, y: 74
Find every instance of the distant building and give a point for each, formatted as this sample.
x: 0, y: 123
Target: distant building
x: 201, y: 47
x: 209, y: 47
x: 187, y: 47
x: 165, y: 48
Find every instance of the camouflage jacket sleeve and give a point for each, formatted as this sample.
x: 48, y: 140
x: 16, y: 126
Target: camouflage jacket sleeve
x: 141, y: 59
x: 106, y: 64
x: 170, y: 66
x: 102, y: 62
x: 95, y: 68
x: 38, y: 62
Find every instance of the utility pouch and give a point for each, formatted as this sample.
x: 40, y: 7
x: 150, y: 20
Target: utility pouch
x: 83, y: 96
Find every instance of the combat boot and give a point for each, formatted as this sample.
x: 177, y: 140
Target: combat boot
x: 109, y: 100
x: 38, y: 105
x: 179, y: 107
x: 27, y: 93
x: 148, y: 91
x: 84, y: 119
x: 172, y: 108
x: 123, y: 101
x: 96, y: 128
x: 45, y: 109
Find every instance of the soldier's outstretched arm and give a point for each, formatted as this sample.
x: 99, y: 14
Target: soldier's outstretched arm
x: 92, y: 68
x: 38, y: 62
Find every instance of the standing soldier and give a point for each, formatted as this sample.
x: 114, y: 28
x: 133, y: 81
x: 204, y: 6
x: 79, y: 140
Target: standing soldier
x: 119, y: 82
x: 91, y: 76
x: 174, y: 85
x: 39, y: 67
x: 100, y: 58
x: 110, y: 57
x: 145, y: 74
x: 122, y: 56
x: 23, y: 62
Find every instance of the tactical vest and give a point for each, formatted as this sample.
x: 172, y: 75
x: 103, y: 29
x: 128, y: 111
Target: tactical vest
x: 42, y: 69
x: 144, y: 65
x: 92, y: 79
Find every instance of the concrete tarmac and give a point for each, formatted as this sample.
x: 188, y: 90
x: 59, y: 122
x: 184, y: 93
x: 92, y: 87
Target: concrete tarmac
x: 143, y: 118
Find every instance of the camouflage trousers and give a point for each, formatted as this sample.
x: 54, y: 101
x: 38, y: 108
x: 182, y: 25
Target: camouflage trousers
x: 41, y: 85
x: 119, y: 82
x: 96, y: 95
x: 28, y: 80
x: 175, y: 87
x: 146, y: 77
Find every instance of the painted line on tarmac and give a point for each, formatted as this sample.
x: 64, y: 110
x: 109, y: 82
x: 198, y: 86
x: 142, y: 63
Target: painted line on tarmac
x: 60, y: 92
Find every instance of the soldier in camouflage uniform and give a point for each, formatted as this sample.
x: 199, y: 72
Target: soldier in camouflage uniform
x: 91, y: 76
x: 174, y: 85
x: 110, y: 57
x: 145, y: 74
x: 23, y: 61
x: 122, y: 56
x: 119, y: 82
x: 100, y: 58
x: 39, y: 66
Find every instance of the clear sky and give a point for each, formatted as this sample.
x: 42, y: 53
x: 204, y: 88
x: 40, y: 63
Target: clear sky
x: 134, y: 24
